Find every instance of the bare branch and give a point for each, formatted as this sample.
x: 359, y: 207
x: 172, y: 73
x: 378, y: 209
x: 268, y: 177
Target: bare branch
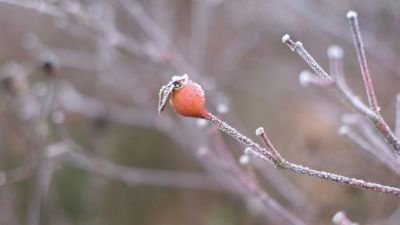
x: 362, y: 60
x: 281, y: 163
x: 352, y: 101
x: 364, y: 145
x: 137, y: 176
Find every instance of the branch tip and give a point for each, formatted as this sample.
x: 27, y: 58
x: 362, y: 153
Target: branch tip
x: 338, y: 217
x: 222, y: 108
x: 285, y: 38
x: 351, y: 14
x: 335, y: 52
x: 244, y: 159
x: 202, y: 151
x: 343, y: 130
x: 304, y: 78
x: 259, y: 131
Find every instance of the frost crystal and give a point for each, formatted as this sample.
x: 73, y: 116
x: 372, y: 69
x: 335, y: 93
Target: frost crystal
x: 198, y: 87
x: 351, y: 14
x: 285, y: 38
x: 259, y: 131
x: 183, y: 77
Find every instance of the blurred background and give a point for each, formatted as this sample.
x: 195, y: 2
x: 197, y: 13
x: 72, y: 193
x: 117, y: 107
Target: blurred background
x: 82, y: 142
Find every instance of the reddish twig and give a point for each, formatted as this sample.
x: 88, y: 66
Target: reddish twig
x: 362, y: 60
x: 346, y: 96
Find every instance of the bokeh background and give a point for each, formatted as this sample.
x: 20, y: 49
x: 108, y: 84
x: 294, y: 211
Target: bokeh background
x: 84, y: 76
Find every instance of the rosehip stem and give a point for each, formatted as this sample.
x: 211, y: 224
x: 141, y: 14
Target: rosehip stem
x: 275, y: 158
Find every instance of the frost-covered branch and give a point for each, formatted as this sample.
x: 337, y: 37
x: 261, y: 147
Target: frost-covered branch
x: 362, y: 60
x: 268, y: 155
x: 352, y: 101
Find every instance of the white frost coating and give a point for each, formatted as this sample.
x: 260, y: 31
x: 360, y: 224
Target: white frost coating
x: 335, y: 52
x: 202, y: 151
x: 338, y: 217
x: 351, y: 14
x: 343, y: 130
x: 304, y: 78
x: 198, y: 87
x: 299, y: 43
x: 285, y: 38
x: 183, y: 77
x: 259, y: 131
x: 244, y: 159
x: 222, y: 108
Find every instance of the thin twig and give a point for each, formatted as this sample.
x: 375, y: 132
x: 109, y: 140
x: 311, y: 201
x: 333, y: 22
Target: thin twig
x: 362, y: 60
x: 365, y: 145
x: 281, y: 163
x: 139, y: 176
x: 335, y: 55
x: 307, y: 78
x: 41, y: 7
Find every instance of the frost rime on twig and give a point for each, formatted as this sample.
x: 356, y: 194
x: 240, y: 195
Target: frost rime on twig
x: 372, y: 113
x: 273, y: 156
